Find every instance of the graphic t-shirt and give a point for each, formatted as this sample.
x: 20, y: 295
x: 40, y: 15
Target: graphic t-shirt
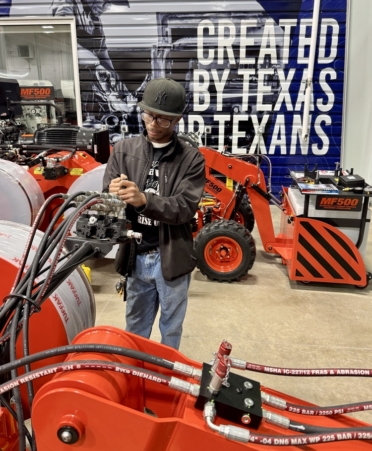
x: 147, y: 226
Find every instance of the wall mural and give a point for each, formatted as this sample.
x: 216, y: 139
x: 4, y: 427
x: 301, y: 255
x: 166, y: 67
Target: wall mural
x: 243, y: 65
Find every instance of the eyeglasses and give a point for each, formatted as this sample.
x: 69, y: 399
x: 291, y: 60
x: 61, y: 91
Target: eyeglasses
x: 162, y: 122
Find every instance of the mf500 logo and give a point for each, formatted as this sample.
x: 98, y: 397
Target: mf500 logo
x: 37, y: 93
x: 348, y: 203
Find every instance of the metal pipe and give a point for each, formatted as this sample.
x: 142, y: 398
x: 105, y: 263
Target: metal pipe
x: 310, y: 73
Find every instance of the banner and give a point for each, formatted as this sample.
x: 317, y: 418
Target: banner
x: 243, y: 64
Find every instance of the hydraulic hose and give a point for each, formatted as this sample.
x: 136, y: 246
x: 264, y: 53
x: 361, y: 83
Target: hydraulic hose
x: 20, y: 285
x: 312, y: 429
x: 310, y: 439
x: 31, y: 237
x: 244, y: 435
x: 11, y: 411
x: 15, y: 383
x: 40, y: 297
x: 282, y: 404
x: 16, y: 391
x: 104, y: 349
x: 78, y: 365
x: 300, y: 372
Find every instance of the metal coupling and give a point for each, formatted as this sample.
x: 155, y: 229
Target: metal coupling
x: 274, y: 418
x: 187, y: 370
x: 89, y: 193
x: 224, y: 349
x: 100, y: 207
x: 220, y: 375
x: 237, y: 363
x: 235, y: 433
x: 273, y: 401
x: 184, y: 386
x: 131, y: 234
x: 209, y: 411
x: 114, y: 202
x: 109, y: 196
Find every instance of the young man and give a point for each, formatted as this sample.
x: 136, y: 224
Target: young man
x: 161, y: 177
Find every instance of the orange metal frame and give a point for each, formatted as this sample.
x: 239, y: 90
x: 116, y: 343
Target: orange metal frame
x: 77, y: 165
x: 312, y: 250
x: 108, y: 408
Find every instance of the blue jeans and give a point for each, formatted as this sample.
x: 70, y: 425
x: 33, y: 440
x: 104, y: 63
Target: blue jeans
x: 147, y: 291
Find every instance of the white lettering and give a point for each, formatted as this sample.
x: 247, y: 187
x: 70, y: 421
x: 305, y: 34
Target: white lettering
x: 332, y: 47
x: 202, y: 97
x: 208, y: 25
x: 324, y: 107
x: 226, y: 41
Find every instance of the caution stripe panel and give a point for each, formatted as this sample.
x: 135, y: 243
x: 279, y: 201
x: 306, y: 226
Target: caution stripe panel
x: 323, y: 253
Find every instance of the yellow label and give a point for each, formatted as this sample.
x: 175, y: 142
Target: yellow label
x: 229, y: 184
x: 76, y: 171
x: 38, y: 170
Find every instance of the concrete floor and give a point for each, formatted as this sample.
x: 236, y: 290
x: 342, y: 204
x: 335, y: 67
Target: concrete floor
x: 271, y: 320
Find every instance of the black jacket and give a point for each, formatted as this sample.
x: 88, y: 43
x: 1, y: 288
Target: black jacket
x: 181, y: 185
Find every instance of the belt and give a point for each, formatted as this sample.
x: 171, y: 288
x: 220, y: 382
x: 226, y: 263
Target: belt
x: 150, y: 251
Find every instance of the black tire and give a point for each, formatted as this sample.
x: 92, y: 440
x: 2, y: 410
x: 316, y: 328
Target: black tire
x: 225, y: 250
x: 245, y: 215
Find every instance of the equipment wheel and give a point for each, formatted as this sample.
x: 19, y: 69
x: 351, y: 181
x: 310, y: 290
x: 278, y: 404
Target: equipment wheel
x: 225, y: 250
x: 245, y: 215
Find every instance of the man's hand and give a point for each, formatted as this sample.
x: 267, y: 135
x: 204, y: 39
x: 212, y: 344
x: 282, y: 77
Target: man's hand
x: 127, y: 191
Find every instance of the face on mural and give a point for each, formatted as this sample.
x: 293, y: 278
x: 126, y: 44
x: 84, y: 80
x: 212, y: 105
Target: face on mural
x: 98, y: 7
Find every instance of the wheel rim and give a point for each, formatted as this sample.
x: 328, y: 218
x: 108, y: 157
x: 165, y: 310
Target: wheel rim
x: 223, y: 254
x: 239, y: 218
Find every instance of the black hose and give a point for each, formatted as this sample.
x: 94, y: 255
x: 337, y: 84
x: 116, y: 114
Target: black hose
x: 14, y: 374
x: 92, y: 347
x: 33, y: 232
x: 7, y: 405
x: 311, y: 429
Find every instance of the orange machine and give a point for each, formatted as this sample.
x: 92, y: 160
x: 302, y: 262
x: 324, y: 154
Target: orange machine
x: 313, y: 249
x: 118, y: 391
x: 72, y: 166
x: 137, y: 405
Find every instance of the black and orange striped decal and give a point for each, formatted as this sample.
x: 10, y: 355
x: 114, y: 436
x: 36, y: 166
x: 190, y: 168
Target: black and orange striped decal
x: 322, y: 254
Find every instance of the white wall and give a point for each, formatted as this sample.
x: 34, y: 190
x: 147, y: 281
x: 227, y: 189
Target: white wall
x: 357, y: 139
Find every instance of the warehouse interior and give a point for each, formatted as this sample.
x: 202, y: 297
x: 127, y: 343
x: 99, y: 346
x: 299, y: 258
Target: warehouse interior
x: 228, y: 141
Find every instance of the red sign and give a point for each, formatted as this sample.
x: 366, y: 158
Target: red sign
x: 344, y: 203
x: 37, y: 93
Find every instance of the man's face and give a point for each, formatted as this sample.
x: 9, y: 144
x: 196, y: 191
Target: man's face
x: 98, y: 7
x: 156, y: 133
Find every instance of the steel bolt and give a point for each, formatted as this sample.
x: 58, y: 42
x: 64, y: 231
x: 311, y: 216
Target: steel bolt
x: 66, y: 436
x: 246, y: 419
x: 248, y: 402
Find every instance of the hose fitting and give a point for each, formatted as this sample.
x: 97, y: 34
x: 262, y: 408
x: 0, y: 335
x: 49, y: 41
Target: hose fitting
x: 273, y: 401
x: 185, y: 387
x: 238, y: 364
x: 235, y: 433
x: 274, y: 418
x: 228, y: 431
x: 187, y: 370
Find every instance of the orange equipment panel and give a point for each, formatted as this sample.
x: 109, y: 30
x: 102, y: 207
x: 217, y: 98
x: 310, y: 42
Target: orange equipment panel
x: 113, y: 410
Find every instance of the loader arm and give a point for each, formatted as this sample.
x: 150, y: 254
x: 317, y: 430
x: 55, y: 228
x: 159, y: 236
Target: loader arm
x: 248, y: 175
